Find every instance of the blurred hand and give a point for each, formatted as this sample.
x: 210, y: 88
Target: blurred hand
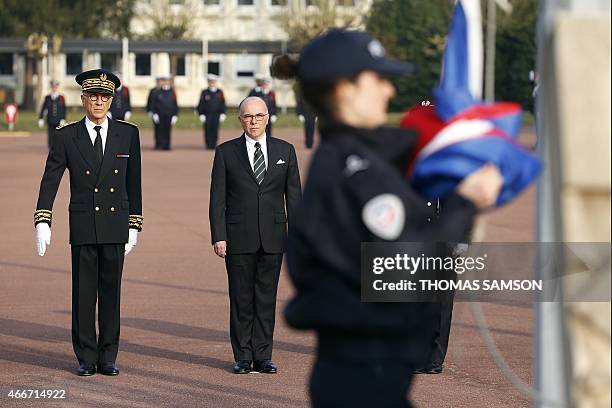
x: 222, y: 117
x: 220, y: 248
x: 155, y: 118
x: 132, y: 241
x: 41, y: 123
x: 43, y: 237
x: 127, y: 115
x: 273, y: 118
x: 482, y: 187
x: 203, y: 118
x: 302, y: 118
x: 173, y: 120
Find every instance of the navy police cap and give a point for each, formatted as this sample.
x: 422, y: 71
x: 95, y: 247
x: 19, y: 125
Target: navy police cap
x: 98, y: 80
x: 343, y: 54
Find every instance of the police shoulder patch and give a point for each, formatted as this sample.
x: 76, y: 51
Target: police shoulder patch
x: 127, y: 123
x: 66, y: 124
x: 384, y: 215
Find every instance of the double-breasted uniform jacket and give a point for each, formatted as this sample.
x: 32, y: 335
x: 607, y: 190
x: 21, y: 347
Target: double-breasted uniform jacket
x: 106, y: 198
x: 55, y: 108
x: 248, y: 215
x: 211, y: 103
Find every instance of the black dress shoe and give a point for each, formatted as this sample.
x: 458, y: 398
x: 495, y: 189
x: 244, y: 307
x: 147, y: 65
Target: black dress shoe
x: 108, y: 369
x: 433, y: 369
x: 242, y: 367
x: 85, y: 370
x: 265, y: 366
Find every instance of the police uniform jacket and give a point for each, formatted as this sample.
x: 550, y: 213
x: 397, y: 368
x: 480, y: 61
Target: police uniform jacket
x: 55, y: 108
x: 350, y: 169
x: 211, y: 102
x: 106, y: 199
x: 269, y: 98
x: 164, y: 103
x: 248, y: 215
x: 121, y: 103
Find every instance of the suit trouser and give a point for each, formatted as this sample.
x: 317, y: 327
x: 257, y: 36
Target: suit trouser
x: 211, y: 131
x: 309, y: 129
x: 253, y: 281
x: 96, y: 275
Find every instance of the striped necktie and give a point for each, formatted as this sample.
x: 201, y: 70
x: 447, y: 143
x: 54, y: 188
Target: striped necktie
x: 259, y: 164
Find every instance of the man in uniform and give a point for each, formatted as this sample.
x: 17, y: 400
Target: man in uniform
x: 308, y: 117
x: 54, y: 106
x: 263, y: 90
x: 150, y: 99
x: 211, y: 110
x: 103, y: 158
x: 255, y: 178
x: 164, y: 110
x: 121, y: 108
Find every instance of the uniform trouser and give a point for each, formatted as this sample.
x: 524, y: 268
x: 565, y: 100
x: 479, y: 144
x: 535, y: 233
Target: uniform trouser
x: 164, y: 128
x: 50, y: 133
x: 211, y: 131
x: 336, y: 383
x: 445, y: 313
x: 309, y: 129
x: 96, y: 275
x: 156, y: 134
x: 253, y: 281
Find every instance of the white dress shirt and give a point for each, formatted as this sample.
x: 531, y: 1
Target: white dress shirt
x: 92, y: 132
x: 250, y: 145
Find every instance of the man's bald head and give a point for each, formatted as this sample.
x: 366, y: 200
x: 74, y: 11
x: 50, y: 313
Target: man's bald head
x: 253, y: 116
x: 253, y: 102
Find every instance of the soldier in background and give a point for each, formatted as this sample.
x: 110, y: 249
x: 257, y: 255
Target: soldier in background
x: 211, y: 111
x: 307, y: 116
x: 164, y: 110
x: 121, y: 108
x: 150, y: 98
x: 264, y: 91
x: 54, y: 106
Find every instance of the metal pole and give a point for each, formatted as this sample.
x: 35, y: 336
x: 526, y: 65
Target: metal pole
x: 490, y: 51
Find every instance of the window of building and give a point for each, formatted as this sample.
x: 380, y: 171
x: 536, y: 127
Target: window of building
x: 246, y: 66
x: 109, y: 61
x: 143, y: 64
x: 6, y: 63
x: 180, y: 65
x: 278, y: 2
x: 212, y: 2
x: 74, y: 64
x: 177, y: 2
x: 246, y: 2
x: 214, y: 67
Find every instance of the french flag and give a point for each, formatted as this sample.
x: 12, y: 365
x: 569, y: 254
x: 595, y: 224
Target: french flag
x: 460, y: 133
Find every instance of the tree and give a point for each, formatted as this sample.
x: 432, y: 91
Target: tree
x: 515, y: 53
x: 303, y: 20
x: 415, y: 31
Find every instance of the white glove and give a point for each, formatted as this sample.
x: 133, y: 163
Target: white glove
x: 150, y: 114
x: 43, y: 237
x: 222, y: 117
x: 203, y: 118
x: 155, y: 118
x: 173, y: 120
x: 132, y: 241
x: 302, y: 118
x: 41, y: 123
x: 273, y: 118
x: 425, y: 103
x: 127, y: 115
x: 62, y: 122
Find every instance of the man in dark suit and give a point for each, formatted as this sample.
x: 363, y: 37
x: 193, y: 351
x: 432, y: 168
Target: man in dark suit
x: 211, y: 111
x: 54, y: 106
x: 255, y: 178
x: 103, y: 157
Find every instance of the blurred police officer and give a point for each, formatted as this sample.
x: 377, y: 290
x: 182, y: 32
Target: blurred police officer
x: 121, y: 108
x: 308, y: 117
x: 356, y: 192
x: 211, y: 111
x: 103, y: 158
x: 164, y: 110
x: 150, y: 99
x: 264, y: 91
x: 54, y: 106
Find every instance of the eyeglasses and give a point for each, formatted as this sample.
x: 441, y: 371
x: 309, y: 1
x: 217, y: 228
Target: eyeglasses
x: 258, y: 118
x: 94, y: 97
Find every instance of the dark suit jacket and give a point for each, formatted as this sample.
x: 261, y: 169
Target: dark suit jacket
x: 106, y: 200
x: 248, y: 215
